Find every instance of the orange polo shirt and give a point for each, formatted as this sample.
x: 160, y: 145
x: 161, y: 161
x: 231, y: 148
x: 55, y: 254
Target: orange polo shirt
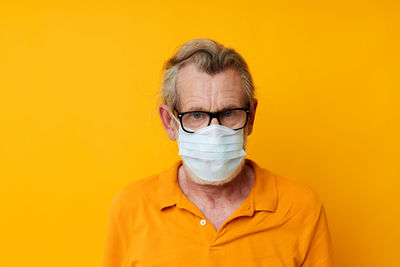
x: 280, y: 223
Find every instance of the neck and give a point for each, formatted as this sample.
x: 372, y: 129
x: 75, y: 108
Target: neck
x: 236, y: 188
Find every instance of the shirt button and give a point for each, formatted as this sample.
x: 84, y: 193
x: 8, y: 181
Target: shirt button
x: 203, y: 222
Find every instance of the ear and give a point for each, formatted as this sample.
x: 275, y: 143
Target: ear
x: 168, y: 122
x: 252, y: 115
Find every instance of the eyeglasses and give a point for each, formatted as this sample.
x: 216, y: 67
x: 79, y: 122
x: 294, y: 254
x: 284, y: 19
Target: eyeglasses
x: 234, y: 118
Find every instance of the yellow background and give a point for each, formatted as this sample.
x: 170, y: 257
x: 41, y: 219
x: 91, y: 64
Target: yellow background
x: 78, y: 113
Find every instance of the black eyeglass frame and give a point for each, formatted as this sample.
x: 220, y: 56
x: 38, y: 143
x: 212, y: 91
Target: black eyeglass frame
x: 214, y: 115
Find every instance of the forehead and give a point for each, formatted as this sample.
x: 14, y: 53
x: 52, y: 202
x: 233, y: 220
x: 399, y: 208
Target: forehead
x: 198, y: 90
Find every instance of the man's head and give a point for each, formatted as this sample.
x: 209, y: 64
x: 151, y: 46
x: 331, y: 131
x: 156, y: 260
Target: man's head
x: 205, y: 76
x: 209, y: 57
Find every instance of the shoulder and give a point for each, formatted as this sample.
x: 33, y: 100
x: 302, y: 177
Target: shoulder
x: 289, y: 194
x: 297, y: 201
x: 148, y: 194
x: 136, y: 193
x: 296, y: 192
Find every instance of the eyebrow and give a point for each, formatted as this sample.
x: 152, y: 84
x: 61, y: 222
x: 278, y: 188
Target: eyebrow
x: 230, y: 107
x: 197, y: 108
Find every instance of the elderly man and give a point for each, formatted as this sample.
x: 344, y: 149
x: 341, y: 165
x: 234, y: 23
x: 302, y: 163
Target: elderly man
x: 214, y: 208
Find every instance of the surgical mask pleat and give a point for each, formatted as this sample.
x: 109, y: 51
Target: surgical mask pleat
x: 213, y: 153
x: 212, y: 148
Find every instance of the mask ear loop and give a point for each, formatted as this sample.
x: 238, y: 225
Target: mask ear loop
x: 173, y: 116
x: 176, y: 119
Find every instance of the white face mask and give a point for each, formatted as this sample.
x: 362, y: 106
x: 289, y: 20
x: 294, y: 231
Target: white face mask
x: 213, y: 153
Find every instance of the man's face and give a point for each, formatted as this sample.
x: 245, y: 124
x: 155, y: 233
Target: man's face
x: 198, y: 90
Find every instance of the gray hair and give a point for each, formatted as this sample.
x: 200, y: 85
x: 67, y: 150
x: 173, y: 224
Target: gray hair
x: 208, y: 56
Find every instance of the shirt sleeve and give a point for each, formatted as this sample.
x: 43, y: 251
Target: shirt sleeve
x: 319, y: 253
x: 116, y: 244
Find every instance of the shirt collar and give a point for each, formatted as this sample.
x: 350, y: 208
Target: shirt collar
x: 265, y: 189
x: 168, y: 188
